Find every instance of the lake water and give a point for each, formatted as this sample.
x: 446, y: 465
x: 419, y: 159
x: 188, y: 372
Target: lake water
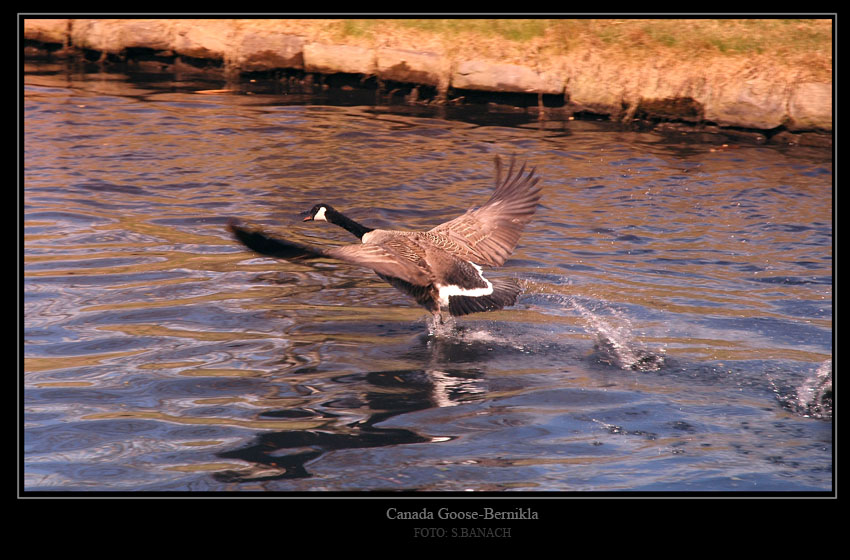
x: 675, y: 330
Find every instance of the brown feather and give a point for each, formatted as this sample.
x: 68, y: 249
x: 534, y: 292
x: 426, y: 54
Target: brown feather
x: 424, y: 264
x: 489, y: 234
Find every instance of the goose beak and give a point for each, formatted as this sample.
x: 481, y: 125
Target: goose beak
x: 307, y: 216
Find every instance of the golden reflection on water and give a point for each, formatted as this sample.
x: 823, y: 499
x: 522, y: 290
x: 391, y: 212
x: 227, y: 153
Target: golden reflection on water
x: 285, y: 423
x: 141, y: 307
x: 46, y: 364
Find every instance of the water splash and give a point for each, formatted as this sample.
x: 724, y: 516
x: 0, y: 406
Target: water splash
x: 814, y: 397
x: 450, y: 332
x: 446, y: 328
x: 615, y: 342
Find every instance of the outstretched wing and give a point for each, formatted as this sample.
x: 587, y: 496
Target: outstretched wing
x: 375, y: 257
x: 489, y: 234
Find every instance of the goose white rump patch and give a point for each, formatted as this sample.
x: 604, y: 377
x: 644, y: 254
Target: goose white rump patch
x: 445, y: 291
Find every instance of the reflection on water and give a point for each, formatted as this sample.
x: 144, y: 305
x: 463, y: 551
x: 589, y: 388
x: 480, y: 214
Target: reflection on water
x: 675, y: 331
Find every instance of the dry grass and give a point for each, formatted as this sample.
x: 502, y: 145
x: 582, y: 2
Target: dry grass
x: 804, y: 45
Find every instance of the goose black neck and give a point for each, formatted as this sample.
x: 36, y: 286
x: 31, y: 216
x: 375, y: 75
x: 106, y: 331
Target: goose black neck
x: 344, y: 221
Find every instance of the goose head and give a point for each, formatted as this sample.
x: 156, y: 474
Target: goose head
x: 327, y: 213
x: 319, y: 213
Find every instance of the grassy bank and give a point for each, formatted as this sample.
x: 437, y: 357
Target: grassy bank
x: 757, y: 74
x: 803, y: 45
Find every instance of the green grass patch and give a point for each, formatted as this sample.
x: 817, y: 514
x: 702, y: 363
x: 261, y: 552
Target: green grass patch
x: 805, y: 44
x: 722, y: 36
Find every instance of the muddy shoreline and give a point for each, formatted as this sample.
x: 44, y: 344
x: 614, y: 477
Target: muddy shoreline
x: 740, y: 102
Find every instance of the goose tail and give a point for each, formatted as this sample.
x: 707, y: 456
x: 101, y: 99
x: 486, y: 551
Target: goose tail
x: 263, y: 244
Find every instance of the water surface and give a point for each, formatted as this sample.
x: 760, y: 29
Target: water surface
x: 675, y: 332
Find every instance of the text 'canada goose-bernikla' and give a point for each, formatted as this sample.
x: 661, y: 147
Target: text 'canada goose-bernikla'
x: 440, y: 268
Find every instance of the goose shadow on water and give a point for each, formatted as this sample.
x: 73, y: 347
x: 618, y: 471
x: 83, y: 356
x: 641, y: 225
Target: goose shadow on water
x: 454, y: 367
x: 452, y: 363
x: 453, y: 372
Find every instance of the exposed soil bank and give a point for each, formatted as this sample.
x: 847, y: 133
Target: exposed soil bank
x: 725, y: 92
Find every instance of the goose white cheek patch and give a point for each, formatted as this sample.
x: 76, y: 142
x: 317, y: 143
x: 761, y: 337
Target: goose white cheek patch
x: 320, y: 215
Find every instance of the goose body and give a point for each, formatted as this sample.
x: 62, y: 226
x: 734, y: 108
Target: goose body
x: 441, y: 268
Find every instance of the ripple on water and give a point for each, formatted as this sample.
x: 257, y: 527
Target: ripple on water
x: 671, y: 335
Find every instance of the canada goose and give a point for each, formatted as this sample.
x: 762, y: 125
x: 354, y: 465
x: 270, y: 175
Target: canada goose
x: 440, y: 268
